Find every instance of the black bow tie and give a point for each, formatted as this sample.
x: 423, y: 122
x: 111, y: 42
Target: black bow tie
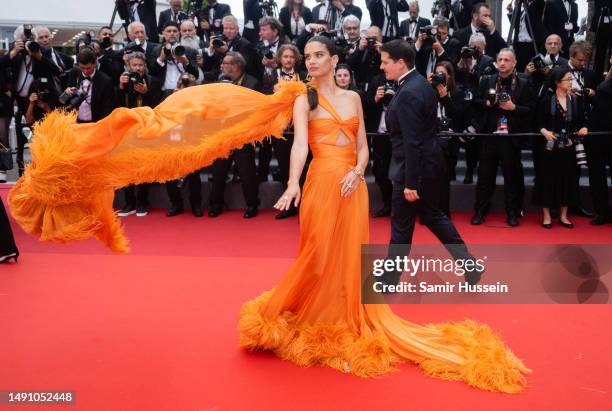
x: 285, y: 74
x: 83, y: 78
x: 413, y: 21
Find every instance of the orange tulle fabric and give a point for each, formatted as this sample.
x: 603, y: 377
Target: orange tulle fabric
x: 314, y: 315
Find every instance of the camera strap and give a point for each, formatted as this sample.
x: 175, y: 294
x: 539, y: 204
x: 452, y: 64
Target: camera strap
x: 28, y: 72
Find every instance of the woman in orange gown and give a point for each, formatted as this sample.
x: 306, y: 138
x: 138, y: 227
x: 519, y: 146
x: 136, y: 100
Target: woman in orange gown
x: 314, y: 315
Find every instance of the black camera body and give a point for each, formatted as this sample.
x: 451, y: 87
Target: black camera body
x: 430, y: 33
x: 135, y: 46
x: 42, y: 88
x: 219, y: 40
x: 73, y: 101
x: 371, y: 42
x: 438, y: 79
x: 30, y: 45
x: 173, y: 51
x: 267, y: 52
x: 389, y: 92
x: 539, y: 62
x: 134, y: 78
x: 469, y: 52
x: 503, y: 97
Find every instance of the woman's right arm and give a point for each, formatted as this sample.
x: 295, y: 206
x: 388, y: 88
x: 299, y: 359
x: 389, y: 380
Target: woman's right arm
x: 299, y: 153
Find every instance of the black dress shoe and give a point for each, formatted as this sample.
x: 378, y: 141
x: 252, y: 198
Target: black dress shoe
x: 566, y: 225
x: 580, y: 212
x: 174, y: 211
x: 286, y: 213
x: 472, y: 277
x: 197, y: 212
x: 600, y: 220
x: 512, y: 220
x: 383, y: 212
x: 478, y: 219
x: 250, y: 212
x: 215, y: 211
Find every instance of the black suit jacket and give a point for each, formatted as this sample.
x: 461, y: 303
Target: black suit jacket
x: 40, y: 68
x: 111, y: 63
x: 352, y: 10
x: 452, y: 49
x: 220, y: 10
x: 411, y: 118
x: 599, y: 5
x: 371, y: 109
x: 103, y: 96
x: 335, y: 13
x: 377, y: 13
x: 535, y: 10
x: 405, y: 26
x: 160, y: 71
x: 242, y: 46
x: 602, y: 120
x: 166, y: 15
x: 285, y: 18
x: 462, y: 12
x: 495, y: 42
x: 151, y: 99
x: 147, y: 13
x: 555, y: 17
x: 423, y: 56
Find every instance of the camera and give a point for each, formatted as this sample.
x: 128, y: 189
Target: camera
x: 389, y: 91
x: 539, y: 62
x: 581, y: 157
x: 42, y: 88
x: 563, y: 140
x: 491, y: 96
x: 186, y: 80
x: 173, y: 51
x: 430, y: 32
x: 371, y: 42
x: 469, y: 52
x: 134, y: 78
x: 267, y: 53
x: 73, y: 101
x: 444, y: 123
x: 106, y: 42
x: 30, y: 44
x: 218, y: 41
x: 438, y: 79
x: 503, y: 97
x: 268, y: 7
x: 134, y: 46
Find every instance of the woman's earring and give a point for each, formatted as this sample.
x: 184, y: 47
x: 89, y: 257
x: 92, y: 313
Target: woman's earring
x: 308, y: 77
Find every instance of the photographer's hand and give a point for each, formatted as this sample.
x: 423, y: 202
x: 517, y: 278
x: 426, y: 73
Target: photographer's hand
x: 70, y: 91
x: 411, y: 195
x: 530, y: 68
x: 442, y: 90
x: 200, y: 60
x: 582, y: 132
x: 162, y: 54
x: 363, y: 43
x: 380, y: 93
x: 548, y: 135
x: 270, y: 63
x: 19, y: 46
x: 33, y: 98
x: 507, y: 105
x: 183, y: 59
x: 123, y: 80
x: 437, y: 46
x: 141, y: 88
x: 36, y: 56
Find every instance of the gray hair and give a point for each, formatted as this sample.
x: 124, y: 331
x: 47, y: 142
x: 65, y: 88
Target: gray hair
x: 229, y: 18
x: 188, y: 21
x: 351, y: 19
x: 477, y: 38
x: 140, y: 56
x: 37, y: 29
x: 237, y: 59
x: 415, y: 2
x: 506, y: 50
x: 18, y: 33
x: 134, y: 24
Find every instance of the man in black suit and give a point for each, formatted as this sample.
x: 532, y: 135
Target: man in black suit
x: 410, y: 27
x: 365, y: 60
x: 525, y: 35
x: 506, y: 103
x: 252, y: 14
x: 109, y: 61
x: 271, y: 38
x: 215, y: 11
x: 27, y: 65
x: 332, y: 11
x: 552, y: 58
x: 350, y: 9
x: 451, y: 46
x: 417, y: 163
x: 231, y: 40
x: 137, y: 34
x: 142, y: 11
x: 383, y: 14
x: 462, y: 13
x: 233, y: 68
x: 43, y: 37
x: 97, y: 87
x: 168, y: 66
x: 429, y: 52
x: 482, y: 22
x: 601, y: 25
x: 561, y: 18
x: 174, y: 13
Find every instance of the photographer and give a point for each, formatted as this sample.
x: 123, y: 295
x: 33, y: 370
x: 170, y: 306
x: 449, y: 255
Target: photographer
x: 379, y: 95
x: 365, y: 61
x: 505, y: 101
x: 429, y: 51
x: 332, y: 11
x: 234, y: 71
x: 231, y: 40
x: 142, y: 11
x: 138, y: 42
x: 601, y: 25
x: 561, y: 18
x: 311, y: 30
x: 584, y: 80
x: 174, y: 60
x: 109, y: 61
x: 482, y: 22
x: 174, y: 14
x: 6, y: 113
x: 473, y: 63
x: 42, y: 100
x: 560, y: 122
x: 27, y: 64
x: 452, y: 47
x: 209, y: 19
x: 190, y: 39
x: 383, y: 14
x: 525, y: 35
x: 253, y: 12
x: 271, y: 38
x: 351, y: 27
x: 411, y: 27
x: 294, y: 16
x: 61, y: 60
x: 137, y: 89
x: 539, y: 66
x: 90, y: 91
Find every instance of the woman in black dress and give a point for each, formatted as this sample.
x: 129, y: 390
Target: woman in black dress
x: 560, y: 122
x: 8, y: 249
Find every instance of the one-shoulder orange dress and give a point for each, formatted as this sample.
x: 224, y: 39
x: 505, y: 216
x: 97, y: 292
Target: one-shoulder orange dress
x: 315, y: 316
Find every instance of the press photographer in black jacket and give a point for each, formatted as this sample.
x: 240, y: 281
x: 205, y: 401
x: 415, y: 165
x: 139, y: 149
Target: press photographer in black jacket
x: 506, y: 103
x: 137, y: 89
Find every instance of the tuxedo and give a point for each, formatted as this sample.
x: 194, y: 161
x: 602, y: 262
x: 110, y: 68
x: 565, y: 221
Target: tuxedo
x: 555, y: 19
x: 285, y: 18
x: 452, y: 49
x: 252, y: 14
x: 379, y: 14
x: 142, y: 11
x: 168, y: 15
x: 462, y: 13
x: 417, y: 163
x: 112, y: 64
x: 102, y: 92
x: 522, y: 45
x: 215, y: 12
x: 410, y: 28
x: 151, y: 99
x: 495, y: 42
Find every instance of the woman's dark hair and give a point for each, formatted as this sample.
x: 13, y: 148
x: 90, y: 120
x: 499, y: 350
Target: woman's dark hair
x: 555, y: 76
x: 450, y: 78
x: 311, y: 93
x: 289, y: 4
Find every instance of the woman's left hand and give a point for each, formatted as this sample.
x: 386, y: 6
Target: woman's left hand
x: 442, y: 91
x: 349, y: 184
x: 582, y: 132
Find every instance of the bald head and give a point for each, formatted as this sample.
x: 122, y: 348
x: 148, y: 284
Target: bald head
x: 553, y: 44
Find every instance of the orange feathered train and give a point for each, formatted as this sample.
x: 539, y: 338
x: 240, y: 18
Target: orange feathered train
x: 66, y: 193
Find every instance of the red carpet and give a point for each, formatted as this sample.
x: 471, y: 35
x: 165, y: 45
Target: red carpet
x: 156, y: 329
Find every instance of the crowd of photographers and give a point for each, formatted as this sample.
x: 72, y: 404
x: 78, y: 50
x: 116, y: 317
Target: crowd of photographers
x: 542, y: 84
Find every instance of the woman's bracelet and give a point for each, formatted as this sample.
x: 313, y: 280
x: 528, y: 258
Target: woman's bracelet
x: 358, y: 172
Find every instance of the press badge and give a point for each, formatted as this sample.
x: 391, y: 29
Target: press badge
x: 569, y: 26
